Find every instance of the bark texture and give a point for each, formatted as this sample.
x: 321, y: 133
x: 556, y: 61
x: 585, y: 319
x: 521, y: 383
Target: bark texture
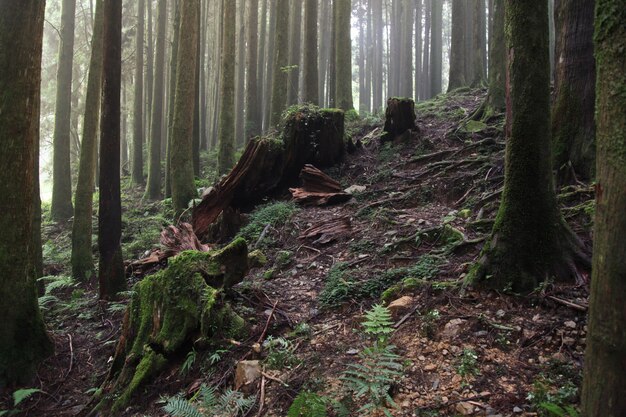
x: 497, y: 61
x: 137, y: 166
x: 24, y: 342
x: 436, y: 49
x: 343, y: 55
x: 310, y: 82
x: 457, y: 49
x: 605, y: 357
x: 226, y: 129
x: 253, y: 114
x: 281, y: 60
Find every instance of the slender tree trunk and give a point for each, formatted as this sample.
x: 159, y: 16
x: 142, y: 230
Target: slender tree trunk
x: 369, y: 56
x: 149, y: 72
x: 82, y: 254
x: 137, y: 175
x: 226, y: 130
x: 457, y: 50
x: 310, y: 72
x: 530, y: 241
x: 436, y: 50
x: 61, y: 207
x: 204, y: 140
x: 573, y: 127
x: 295, y: 38
x: 253, y: 123
x: 153, y: 188
x: 377, y: 77
x: 362, y: 59
x: 183, y: 186
x: 196, y: 96
x: 269, y: 59
x: 123, y: 141
x: 497, y: 61
x: 324, y: 35
x: 406, y: 70
x: 281, y: 59
x: 605, y: 365
x: 24, y: 342
x: 171, y: 96
x: 343, y: 55
x: 478, y: 43
x: 332, y: 59
x: 426, y: 70
x: 552, y: 37
x: 240, y: 74
x: 418, y: 48
x: 261, y: 73
x: 111, y: 269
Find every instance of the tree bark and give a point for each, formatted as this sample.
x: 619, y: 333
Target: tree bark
x: 295, y: 38
x: 343, y: 55
x: 137, y: 174
x: 281, y: 60
x: 149, y: 84
x: 426, y: 69
x: 82, y: 254
x: 436, y: 50
x: 172, y: 96
x: 406, y: 51
x: 61, y: 207
x: 418, y: 48
x: 573, y: 127
x: 605, y: 364
x: 182, y: 175
x: 310, y: 92
x: 24, y: 342
x: 253, y: 119
x: 111, y: 269
x: 497, y: 61
x: 457, y: 50
x: 195, y: 148
x: 530, y: 241
x: 478, y: 43
x: 226, y: 130
x: 240, y: 68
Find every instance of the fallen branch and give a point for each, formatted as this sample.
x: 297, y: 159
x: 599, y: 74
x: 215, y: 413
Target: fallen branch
x: 569, y: 304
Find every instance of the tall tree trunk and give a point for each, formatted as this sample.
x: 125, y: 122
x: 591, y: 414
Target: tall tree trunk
x: 153, y: 188
x: 362, y: 59
x: 552, y: 37
x: 240, y: 67
x: 24, y: 342
x: 324, y: 36
x: 183, y: 186
x: 137, y: 174
x: 377, y: 76
x: 573, y: 127
x: 497, y: 61
x: 196, y: 96
x: 149, y: 72
x: 436, y: 50
x: 332, y: 61
x: 457, y: 50
x: 343, y: 55
x: 530, y: 240
x: 426, y: 70
x: 171, y: 96
x: 281, y: 59
x: 82, y: 255
x: 123, y: 136
x: 418, y: 48
x: 478, y: 43
x: 226, y: 130
x: 269, y: 59
x: 406, y: 53
x: 310, y: 73
x: 295, y: 38
x: 61, y: 207
x: 261, y: 74
x: 111, y: 269
x: 253, y: 123
x: 605, y: 367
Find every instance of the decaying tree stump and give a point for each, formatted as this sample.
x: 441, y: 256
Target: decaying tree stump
x: 399, y: 118
x: 170, y: 310
x: 268, y: 165
x: 318, y: 189
x: 328, y: 230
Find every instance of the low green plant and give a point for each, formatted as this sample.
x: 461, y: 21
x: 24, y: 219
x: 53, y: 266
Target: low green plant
x: 190, y: 360
x: 18, y: 397
x: 283, y: 258
x: 308, y: 404
x: 553, y: 402
x: 280, y: 353
x: 429, y: 322
x: 467, y: 365
x: 273, y: 214
x: 208, y: 403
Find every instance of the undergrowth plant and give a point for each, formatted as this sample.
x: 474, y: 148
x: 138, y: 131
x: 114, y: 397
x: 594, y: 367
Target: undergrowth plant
x: 18, y: 397
x: 208, y: 403
x: 272, y: 214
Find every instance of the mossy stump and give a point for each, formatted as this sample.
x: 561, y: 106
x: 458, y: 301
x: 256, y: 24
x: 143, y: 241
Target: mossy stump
x: 399, y: 118
x: 170, y: 311
x: 270, y: 165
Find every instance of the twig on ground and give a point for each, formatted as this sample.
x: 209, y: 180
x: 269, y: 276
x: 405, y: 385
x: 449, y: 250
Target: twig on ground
x: 569, y: 304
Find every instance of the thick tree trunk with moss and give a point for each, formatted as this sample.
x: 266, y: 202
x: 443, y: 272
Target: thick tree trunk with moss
x: 111, y: 269
x: 61, y: 206
x: 181, y: 152
x: 82, y: 255
x: 24, y: 342
x: 311, y: 136
x: 457, y: 49
x: 530, y: 241
x: 153, y: 188
x: 137, y: 166
x: 281, y: 60
x: 343, y: 55
x: 226, y: 129
x: 573, y: 127
x: 180, y: 306
x: 310, y: 81
x: 605, y: 357
x: 497, y: 61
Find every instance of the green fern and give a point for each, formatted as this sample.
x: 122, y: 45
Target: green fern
x: 308, y: 404
x: 189, y: 361
x: 378, y: 323
x: 53, y: 283
x: 207, y: 404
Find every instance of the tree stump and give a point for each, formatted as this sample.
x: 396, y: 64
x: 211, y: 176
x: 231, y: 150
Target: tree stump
x: 399, y: 118
x: 318, y: 189
x: 271, y: 165
x: 170, y: 310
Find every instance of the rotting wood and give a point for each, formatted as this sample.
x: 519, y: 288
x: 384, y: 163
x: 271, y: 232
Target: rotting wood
x: 399, y: 118
x: 318, y: 189
x: 327, y: 231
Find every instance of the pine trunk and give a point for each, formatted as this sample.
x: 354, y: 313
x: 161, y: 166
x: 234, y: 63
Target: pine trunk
x: 310, y: 92
x: 280, y: 59
x: 436, y: 50
x: 478, y: 43
x: 137, y: 174
x: 171, y: 96
x: 343, y: 55
x: 226, y: 129
x: 295, y: 38
x: 457, y: 49
x: 253, y: 123
x: 497, y: 61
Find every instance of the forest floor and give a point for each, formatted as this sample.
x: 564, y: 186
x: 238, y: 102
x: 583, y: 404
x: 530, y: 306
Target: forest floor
x: 428, y: 204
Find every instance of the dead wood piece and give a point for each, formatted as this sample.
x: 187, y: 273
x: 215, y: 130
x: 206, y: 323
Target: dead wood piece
x: 318, y: 189
x: 327, y: 231
x: 399, y: 118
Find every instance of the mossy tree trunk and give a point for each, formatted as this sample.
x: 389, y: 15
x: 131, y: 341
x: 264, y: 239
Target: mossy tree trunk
x: 137, y: 166
x: 530, y: 241
x: 153, y: 188
x: 253, y: 114
x: 605, y: 358
x: 497, y: 61
x: 24, y: 342
x: 573, y: 127
x: 457, y: 49
x: 111, y: 269
x: 61, y: 206
x: 310, y: 82
x: 226, y: 129
x: 281, y: 60
x: 82, y: 255
x: 181, y: 165
x: 343, y: 55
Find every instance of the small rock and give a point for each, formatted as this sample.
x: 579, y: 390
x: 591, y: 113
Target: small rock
x: 352, y: 352
x: 355, y: 189
x: 452, y: 328
x: 465, y: 409
x: 500, y: 314
x: 246, y: 373
x: 400, y: 306
x: 517, y: 410
x: 421, y: 358
x: 430, y: 367
x: 571, y: 324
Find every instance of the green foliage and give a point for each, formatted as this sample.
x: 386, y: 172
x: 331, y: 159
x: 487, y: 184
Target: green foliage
x: 207, y: 403
x: 308, y: 404
x: 429, y: 322
x: 19, y: 396
x: 553, y: 402
x: 283, y: 258
x: 273, y: 214
x: 378, y: 323
x: 468, y: 364
x: 190, y: 360
x: 280, y: 353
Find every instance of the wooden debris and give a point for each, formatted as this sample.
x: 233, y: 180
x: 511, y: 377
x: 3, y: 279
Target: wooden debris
x: 318, y: 189
x: 399, y: 118
x: 327, y: 231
